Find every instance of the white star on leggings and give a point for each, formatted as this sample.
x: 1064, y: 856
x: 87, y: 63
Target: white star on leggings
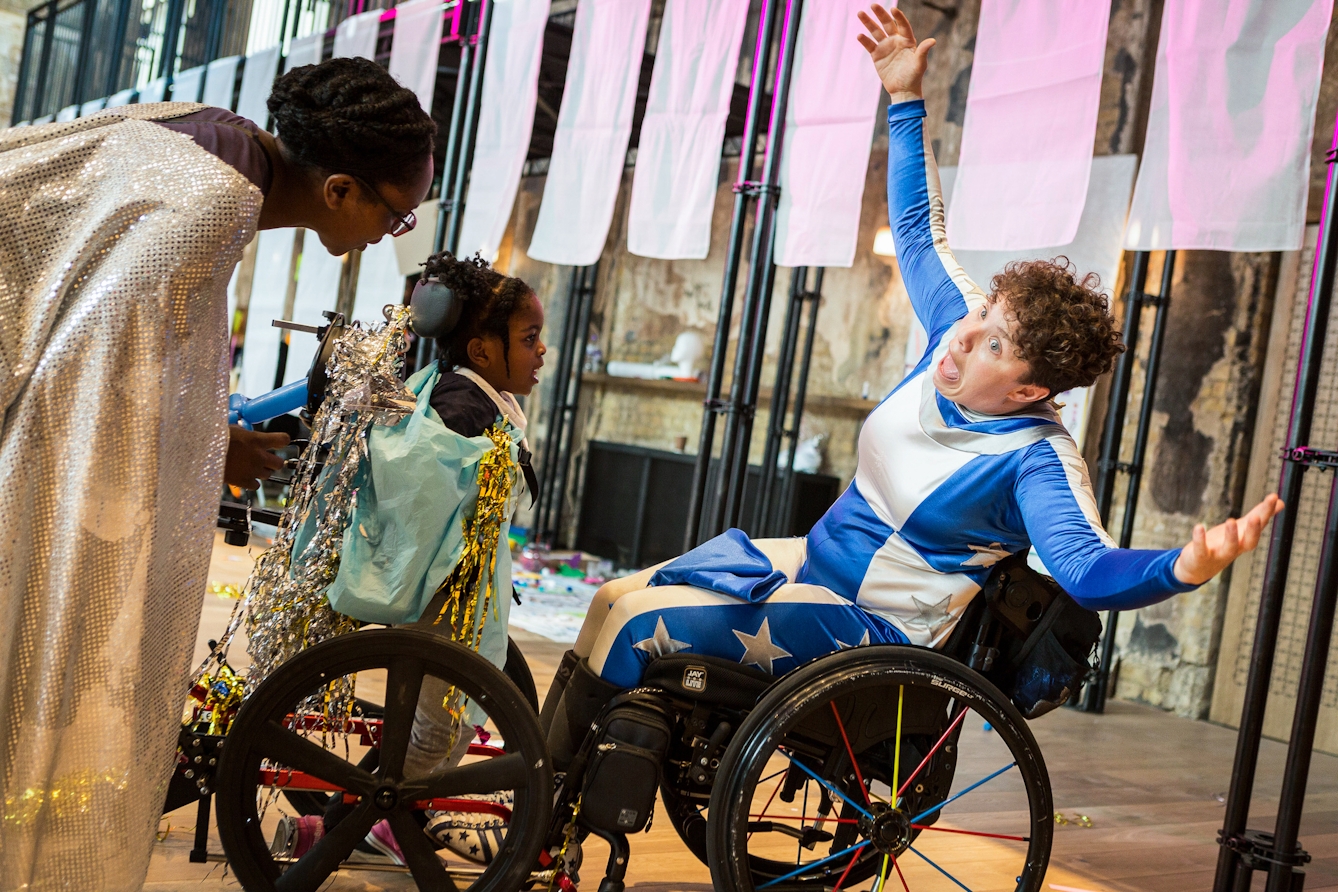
x: 863, y: 642
x: 758, y: 650
x: 661, y: 644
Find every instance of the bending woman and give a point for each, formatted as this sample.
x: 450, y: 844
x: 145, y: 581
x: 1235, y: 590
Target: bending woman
x: 118, y: 233
x: 963, y: 464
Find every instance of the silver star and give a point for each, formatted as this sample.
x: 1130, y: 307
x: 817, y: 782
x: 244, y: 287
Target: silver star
x: 986, y: 555
x: 758, y: 650
x: 661, y: 644
x: 932, y: 614
x: 841, y: 645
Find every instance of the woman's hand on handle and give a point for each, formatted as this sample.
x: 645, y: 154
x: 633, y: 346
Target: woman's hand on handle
x: 899, y: 60
x: 1212, y: 550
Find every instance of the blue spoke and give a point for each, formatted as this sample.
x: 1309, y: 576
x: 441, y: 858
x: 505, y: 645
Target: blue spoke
x: 795, y: 873
x: 924, y: 814
x: 941, y: 870
x: 830, y: 789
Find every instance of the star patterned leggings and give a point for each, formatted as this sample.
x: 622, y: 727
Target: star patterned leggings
x: 629, y: 624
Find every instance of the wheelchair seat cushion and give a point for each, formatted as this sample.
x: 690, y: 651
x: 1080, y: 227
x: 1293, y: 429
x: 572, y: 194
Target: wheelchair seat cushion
x: 707, y: 680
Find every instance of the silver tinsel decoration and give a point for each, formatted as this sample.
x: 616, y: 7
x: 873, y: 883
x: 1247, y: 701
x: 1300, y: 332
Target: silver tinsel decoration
x: 283, y: 602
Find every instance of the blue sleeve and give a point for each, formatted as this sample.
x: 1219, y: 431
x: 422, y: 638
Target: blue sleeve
x: 1059, y: 511
x: 937, y: 284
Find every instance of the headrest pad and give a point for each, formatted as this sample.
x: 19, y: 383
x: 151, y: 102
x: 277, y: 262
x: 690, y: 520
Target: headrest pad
x: 434, y: 309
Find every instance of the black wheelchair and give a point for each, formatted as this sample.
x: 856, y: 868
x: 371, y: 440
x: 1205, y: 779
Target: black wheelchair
x: 875, y: 764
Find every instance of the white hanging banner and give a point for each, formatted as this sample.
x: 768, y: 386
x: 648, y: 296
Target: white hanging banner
x: 413, y: 50
x: 153, y: 91
x: 125, y: 97
x: 593, y: 127
x: 678, y: 158
x: 304, y: 51
x: 1030, y: 123
x: 220, y: 81
x: 186, y: 86
x: 356, y: 35
x: 506, y: 120
x: 1226, y: 162
x: 68, y: 113
x: 317, y: 291
x: 257, y: 81
x: 379, y: 282
x: 269, y: 288
x: 92, y: 107
x: 829, y: 125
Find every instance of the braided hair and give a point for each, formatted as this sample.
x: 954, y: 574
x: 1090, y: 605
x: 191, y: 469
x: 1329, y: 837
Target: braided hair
x: 350, y: 116
x: 489, y: 297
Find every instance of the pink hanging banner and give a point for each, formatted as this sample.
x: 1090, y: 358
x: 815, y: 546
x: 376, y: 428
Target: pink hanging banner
x: 593, y: 127
x: 829, y: 123
x: 1226, y: 162
x: 678, y: 160
x: 1030, y: 122
x: 356, y: 35
x: 506, y: 121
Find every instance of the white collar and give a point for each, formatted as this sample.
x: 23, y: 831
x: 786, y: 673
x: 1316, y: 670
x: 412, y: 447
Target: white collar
x: 506, y: 402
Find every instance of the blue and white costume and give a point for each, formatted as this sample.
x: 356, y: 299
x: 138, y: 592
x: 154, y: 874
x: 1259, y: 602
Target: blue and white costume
x: 940, y: 495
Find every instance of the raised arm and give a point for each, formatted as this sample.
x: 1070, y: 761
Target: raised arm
x: 938, y: 286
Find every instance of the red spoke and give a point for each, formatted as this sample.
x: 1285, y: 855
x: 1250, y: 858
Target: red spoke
x: 802, y: 818
x: 858, y: 776
x: 899, y: 874
x: 846, y: 873
x: 925, y: 761
x: 973, y: 833
x: 773, y: 793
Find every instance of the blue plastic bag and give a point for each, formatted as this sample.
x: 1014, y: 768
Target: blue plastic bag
x: 406, y: 527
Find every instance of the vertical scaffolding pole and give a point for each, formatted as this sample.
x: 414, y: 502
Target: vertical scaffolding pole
x: 1095, y: 696
x: 1242, y: 850
x: 766, y: 27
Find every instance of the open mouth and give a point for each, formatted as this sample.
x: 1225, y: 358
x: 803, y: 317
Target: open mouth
x: 947, y: 369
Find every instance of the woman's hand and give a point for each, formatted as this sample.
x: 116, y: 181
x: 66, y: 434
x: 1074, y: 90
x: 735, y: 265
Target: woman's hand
x: 900, y: 62
x: 1211, y: 551
x: 249, y: 456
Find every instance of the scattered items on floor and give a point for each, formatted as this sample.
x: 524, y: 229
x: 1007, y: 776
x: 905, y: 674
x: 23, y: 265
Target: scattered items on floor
x: 552, y: 604
x: 225, y: 590
x: 1078, y: 821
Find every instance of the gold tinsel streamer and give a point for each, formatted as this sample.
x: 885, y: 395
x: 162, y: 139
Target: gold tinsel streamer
x: 471, y: 592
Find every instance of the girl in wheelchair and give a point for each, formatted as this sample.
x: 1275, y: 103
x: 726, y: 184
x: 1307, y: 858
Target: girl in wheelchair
x: 964, y: 463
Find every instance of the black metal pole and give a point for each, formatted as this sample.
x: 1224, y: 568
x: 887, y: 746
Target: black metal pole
x: 780, y: 525
x: 1161, y: 311
x: 553, y: 436
x: 1311, y: 691
x: 1284, y: 530
x: 455, y: 210
x: 118, y: 32
x: 84, y: 66
x: 766, y: 27
x: 573, y: 400
x: 452, y: 142
x: 43, y: 67
x: 780, y: 400
x: 171, y: 32
x: 751, y: 346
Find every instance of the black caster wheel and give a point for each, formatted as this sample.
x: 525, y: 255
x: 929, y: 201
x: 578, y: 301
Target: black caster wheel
x: 881, y: 768
x: 267, y: 749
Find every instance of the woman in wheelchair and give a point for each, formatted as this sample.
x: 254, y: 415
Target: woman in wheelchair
x: 964, y: 463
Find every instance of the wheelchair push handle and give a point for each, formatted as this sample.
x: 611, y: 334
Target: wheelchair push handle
x: 308, y: 391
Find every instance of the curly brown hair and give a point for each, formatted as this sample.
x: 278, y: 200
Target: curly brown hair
x: 1062, y: 327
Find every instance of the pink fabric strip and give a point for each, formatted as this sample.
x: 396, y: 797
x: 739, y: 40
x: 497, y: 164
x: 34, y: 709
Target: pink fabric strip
x: 1030, y: 121
x: 1226, y: 163
x: 413, y: 50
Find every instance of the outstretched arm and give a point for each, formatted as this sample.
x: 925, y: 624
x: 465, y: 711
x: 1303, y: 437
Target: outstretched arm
x: 938, y: 286
x: 1210, y: 551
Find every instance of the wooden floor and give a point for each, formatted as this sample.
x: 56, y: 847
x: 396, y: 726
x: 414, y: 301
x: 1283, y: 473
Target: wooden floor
x: 1151, y: 784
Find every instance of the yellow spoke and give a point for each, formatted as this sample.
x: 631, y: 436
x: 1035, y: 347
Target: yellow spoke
x: 896, y: 757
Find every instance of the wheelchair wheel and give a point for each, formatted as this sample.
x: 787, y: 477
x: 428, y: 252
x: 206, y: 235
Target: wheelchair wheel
x: 268, y: 749
x: 804, y: 797
x: 306, y: 802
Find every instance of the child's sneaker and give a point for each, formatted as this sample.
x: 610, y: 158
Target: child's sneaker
x: 477, y: 836
x: 382, y: 838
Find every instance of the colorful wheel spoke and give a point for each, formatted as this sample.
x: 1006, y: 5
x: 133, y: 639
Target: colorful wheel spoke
x: 971, y: 832
x: 984, y: 780
x: 863, y: 787
x: 940, y: 869
x: 830, y: 789
x: 814, y: 864
x: 925, y: 761
x: 896, y: 744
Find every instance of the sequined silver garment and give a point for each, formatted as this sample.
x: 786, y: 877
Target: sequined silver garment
x: 117, y: 238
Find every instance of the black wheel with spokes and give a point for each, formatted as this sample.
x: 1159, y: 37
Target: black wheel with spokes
x: 267, y: 749
x: 880, y: 765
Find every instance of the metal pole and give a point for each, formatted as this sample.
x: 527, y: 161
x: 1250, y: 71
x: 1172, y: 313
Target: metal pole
x: 801, y: 393
x: 1284, y: 530
x: 766, y: 27
x: 85, y: 63
x: 1311, y: 691
x: 39, y: 94
x: 452, y: 141
x: 171, y: 32
x: 573, y: 401
x: 553, y: 439
x: 780, y: 398
x: 455, y: 209
x: 118, y: 32
x: 757, y: 296
x: 1162, y: 310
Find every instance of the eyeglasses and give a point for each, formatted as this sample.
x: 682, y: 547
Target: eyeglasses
x: 403, y: 222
